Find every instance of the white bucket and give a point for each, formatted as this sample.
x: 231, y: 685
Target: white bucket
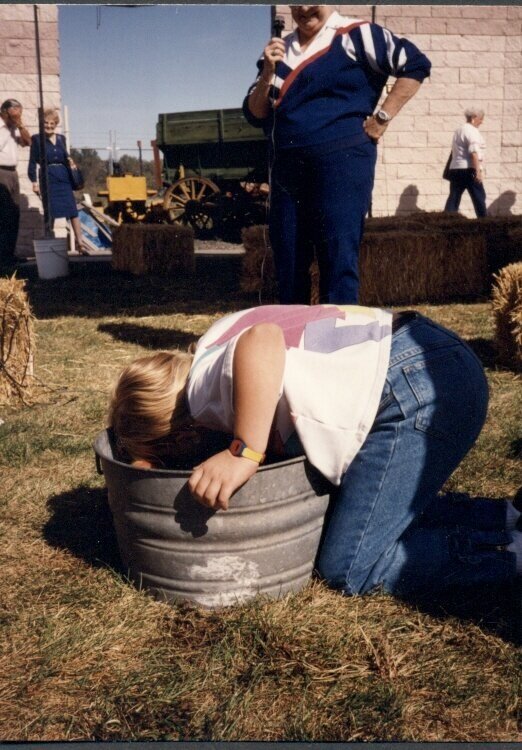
x: 51, y: 257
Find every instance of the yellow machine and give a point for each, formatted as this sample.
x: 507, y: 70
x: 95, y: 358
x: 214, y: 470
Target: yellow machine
x: 127, y: 198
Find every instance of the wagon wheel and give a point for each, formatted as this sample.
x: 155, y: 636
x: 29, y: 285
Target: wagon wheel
x: 193, y: 200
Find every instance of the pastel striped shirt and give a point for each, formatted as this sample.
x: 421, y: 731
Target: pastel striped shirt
x: 336, y: 362
x: 325, y: 92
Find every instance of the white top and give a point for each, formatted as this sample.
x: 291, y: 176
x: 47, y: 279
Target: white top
x: 295, y: 55
x: 467, y: 140
x: 8, y: 146
x: 335, y: 367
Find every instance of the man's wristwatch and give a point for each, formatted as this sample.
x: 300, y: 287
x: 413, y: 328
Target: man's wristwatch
x: 382, y: 117
x: 239, y: 448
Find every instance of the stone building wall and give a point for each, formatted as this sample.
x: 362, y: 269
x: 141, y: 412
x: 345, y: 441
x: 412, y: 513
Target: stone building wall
x: 476, y: 60
x: 19, y: 79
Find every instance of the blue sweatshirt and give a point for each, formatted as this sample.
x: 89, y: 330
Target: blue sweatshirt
x: 328, y: 95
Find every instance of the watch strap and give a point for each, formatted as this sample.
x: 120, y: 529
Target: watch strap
x: 239, y: 448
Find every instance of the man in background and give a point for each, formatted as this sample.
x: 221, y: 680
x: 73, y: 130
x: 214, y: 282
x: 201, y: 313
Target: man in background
x: 12, y: 135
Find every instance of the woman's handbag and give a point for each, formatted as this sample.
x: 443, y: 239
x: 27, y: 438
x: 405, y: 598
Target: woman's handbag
x: 75, y: 177
x: 446, y: 173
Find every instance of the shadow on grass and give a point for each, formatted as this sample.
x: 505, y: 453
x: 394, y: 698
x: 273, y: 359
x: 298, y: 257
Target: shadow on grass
x: 515, y: 448
x: 81, y: 522
x: 147, y: 336
x: 485, y: 351
x: 496, y: 609
x: 94, y: 290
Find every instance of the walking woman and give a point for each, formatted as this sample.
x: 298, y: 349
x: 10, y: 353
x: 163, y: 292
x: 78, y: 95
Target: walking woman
x: 466, y: 171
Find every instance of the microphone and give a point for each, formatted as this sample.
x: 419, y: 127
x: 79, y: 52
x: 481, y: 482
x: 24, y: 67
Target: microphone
x: 279, y: 25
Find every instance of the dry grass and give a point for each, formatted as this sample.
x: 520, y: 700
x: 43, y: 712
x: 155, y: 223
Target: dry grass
x: 85, y: 656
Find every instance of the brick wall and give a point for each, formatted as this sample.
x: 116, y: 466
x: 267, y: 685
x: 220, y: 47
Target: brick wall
x: 18, y: 79
x: 476, y: 57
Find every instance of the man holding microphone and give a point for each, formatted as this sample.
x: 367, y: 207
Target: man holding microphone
x: 316, y: 97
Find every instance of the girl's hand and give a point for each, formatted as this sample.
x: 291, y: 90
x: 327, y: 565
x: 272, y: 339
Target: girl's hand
x: 215, y: 480
x: 36, y: 188
x: 273, y: 53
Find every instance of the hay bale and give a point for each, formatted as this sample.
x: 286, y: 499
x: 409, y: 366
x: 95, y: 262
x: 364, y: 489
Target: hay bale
x: 153, y: 248
x: 420, y: 220
x: 407, y: 267
x: 435, y: 264
x: 16, y: 343
x: 257, y: 267
x: 507, y: 309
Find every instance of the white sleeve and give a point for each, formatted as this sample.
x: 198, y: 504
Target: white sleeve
x: 5, y: 135
x: 210, y: 390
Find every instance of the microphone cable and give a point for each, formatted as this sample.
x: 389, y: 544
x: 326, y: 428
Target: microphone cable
x: 277, y: 30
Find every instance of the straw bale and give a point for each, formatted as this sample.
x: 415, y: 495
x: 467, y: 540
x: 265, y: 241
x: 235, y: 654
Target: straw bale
x: 153, y: 248
x: 17, y: 341
x: 257, y: 268
x: 406, y: 267
x: 507, y: 309
x: 422, y: 220
x: 395, y: 266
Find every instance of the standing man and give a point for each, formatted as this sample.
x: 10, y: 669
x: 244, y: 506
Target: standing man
x: 12, y: 135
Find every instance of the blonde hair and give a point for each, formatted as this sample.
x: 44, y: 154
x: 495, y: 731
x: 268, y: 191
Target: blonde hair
x: 149, y: 404
x: 52, y: 113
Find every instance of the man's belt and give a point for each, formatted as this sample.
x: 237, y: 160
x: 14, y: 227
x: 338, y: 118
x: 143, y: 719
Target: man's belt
x: 9, y: 169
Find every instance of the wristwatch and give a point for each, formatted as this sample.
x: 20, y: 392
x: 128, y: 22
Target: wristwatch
x: 238, y: 448
x: 382, y: 117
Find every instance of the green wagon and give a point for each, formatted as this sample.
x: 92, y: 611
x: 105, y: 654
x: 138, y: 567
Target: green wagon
x: 216, y: 166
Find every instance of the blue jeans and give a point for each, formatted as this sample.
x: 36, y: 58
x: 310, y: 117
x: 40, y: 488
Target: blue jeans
x: 319, y: 198
x: 464, y: 179
x: 386, y: 526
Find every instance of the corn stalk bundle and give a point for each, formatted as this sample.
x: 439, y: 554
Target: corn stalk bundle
x: 153, y: 248
x: 16, y: 342
x: 507, y: 309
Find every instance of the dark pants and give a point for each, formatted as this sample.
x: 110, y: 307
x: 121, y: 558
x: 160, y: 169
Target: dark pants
x: 464, y: 179
x: 319, y: 198
x: 9, y: 213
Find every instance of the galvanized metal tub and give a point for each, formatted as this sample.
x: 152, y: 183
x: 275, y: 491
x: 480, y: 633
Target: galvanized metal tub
x: 177, y: 549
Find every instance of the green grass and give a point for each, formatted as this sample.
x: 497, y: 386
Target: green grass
x: 86, y: 656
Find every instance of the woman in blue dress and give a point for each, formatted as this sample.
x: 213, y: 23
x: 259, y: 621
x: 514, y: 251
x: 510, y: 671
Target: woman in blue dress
x: 61, y: 196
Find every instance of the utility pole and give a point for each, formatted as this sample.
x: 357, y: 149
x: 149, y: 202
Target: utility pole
x: 111, y: 162
x: 112, y: 149
x: 140, y: 158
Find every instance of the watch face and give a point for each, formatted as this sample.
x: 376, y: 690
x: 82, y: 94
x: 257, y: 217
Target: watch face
x: 236, y: 447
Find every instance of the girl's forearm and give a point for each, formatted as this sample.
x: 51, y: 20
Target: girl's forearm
x: 259, y: 361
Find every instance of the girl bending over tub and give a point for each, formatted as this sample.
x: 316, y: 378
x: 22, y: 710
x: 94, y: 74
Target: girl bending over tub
x: 384, y: 406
